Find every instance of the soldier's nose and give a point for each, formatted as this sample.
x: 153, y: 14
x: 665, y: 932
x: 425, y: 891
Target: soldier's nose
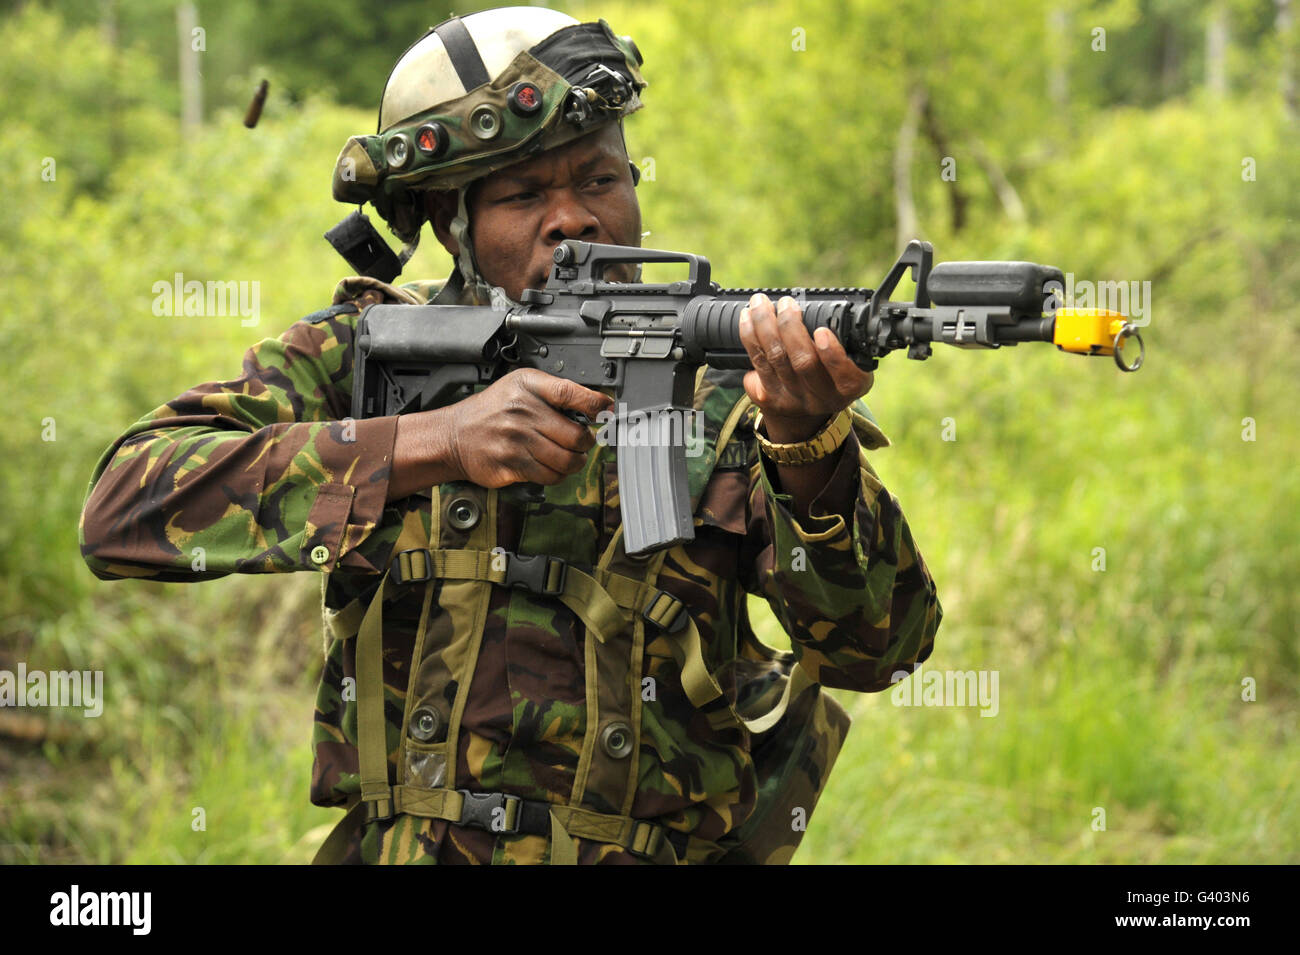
x: 568, y: 219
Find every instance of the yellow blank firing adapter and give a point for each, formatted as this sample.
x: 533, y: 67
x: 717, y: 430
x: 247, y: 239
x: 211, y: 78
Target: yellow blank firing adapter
x: 1097, y: 331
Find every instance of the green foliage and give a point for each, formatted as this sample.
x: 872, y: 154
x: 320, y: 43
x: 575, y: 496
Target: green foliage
x: 318, y: 47
x: 1121, y: 688
x: 84, y: 116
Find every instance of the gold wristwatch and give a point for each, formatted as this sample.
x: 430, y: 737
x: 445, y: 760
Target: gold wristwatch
x: 824, y: 442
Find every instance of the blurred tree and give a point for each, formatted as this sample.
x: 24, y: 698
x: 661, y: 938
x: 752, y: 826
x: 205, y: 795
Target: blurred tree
x: 316, y: 46
x: 1287, y: 42
x: 1216, y: 50
x: 339, y: 46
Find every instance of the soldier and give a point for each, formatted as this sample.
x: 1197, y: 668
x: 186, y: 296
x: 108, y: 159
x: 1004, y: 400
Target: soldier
x: 502, y: 682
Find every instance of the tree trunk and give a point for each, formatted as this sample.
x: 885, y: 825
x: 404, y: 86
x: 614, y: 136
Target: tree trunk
x: 1216, y: 51
x: 904, y: 205
x: 1057, y: 44
x: 1169, y: 61
x: 1286, y: 65
x: 1006, y: 193
x: 108, y: 29
x: 187, y: 20
x: 934, y: 132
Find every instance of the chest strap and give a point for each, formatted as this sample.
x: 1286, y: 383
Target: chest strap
x: 602, y: 602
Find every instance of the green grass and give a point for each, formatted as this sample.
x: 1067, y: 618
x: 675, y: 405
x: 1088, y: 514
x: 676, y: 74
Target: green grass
x: 208, y: 704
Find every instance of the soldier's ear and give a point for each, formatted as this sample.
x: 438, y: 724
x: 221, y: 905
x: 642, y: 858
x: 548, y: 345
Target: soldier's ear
x: 636, y: 172
x: 440, y: 207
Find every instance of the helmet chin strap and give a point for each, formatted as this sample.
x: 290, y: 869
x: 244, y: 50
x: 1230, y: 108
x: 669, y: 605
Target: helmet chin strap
x: 475, y: 284
x: 408, y: 249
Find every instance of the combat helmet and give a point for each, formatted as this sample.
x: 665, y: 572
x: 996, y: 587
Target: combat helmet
x: 473, y: 95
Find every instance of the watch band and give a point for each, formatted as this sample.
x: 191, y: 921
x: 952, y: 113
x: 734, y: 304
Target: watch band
x: 825, y: 442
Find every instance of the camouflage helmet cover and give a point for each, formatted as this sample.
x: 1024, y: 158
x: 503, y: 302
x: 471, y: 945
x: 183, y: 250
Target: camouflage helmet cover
x: 481, y: 92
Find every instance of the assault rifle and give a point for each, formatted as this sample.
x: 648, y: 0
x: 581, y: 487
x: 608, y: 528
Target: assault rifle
x: 647, y: 341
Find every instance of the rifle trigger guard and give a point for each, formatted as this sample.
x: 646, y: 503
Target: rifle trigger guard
x: 1129, y: 330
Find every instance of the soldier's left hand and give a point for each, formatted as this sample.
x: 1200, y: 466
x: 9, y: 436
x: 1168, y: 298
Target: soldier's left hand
x: 799, y: 382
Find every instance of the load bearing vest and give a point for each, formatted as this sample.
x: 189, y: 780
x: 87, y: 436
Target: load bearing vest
x: 616, y: 601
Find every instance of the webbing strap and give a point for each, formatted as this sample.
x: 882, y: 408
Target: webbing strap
x: 446, y: 804
x: 614, y: 704
x: 601, y: 604
x: 638, y: 836
x: 609, y: 772
x: 421, y: 564
x: 597, y: 608
x: 372, y: 730
x: 564, y: 851
x: 341, y: 624
x: 635, y: 835
x: 468, y: 615
x: 702, y: 689
x: 372, y: 727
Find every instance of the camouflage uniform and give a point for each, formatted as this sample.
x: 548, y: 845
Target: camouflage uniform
x: 263, y: 475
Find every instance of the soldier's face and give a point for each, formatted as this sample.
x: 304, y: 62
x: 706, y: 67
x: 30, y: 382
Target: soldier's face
x: 518, y: 215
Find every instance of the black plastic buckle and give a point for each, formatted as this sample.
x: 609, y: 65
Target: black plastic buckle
x: 531, y: 571
x: 399, y: 569
x: 478, y: 810
x: 678, y: 621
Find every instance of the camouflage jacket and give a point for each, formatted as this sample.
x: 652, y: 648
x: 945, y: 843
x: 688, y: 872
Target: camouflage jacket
x: 267, y: 474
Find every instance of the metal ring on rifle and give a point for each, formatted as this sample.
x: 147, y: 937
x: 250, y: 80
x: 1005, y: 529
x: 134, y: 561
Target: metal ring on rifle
x: 1129, y: 330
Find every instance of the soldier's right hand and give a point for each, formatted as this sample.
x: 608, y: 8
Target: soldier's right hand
x: 515, y: 430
